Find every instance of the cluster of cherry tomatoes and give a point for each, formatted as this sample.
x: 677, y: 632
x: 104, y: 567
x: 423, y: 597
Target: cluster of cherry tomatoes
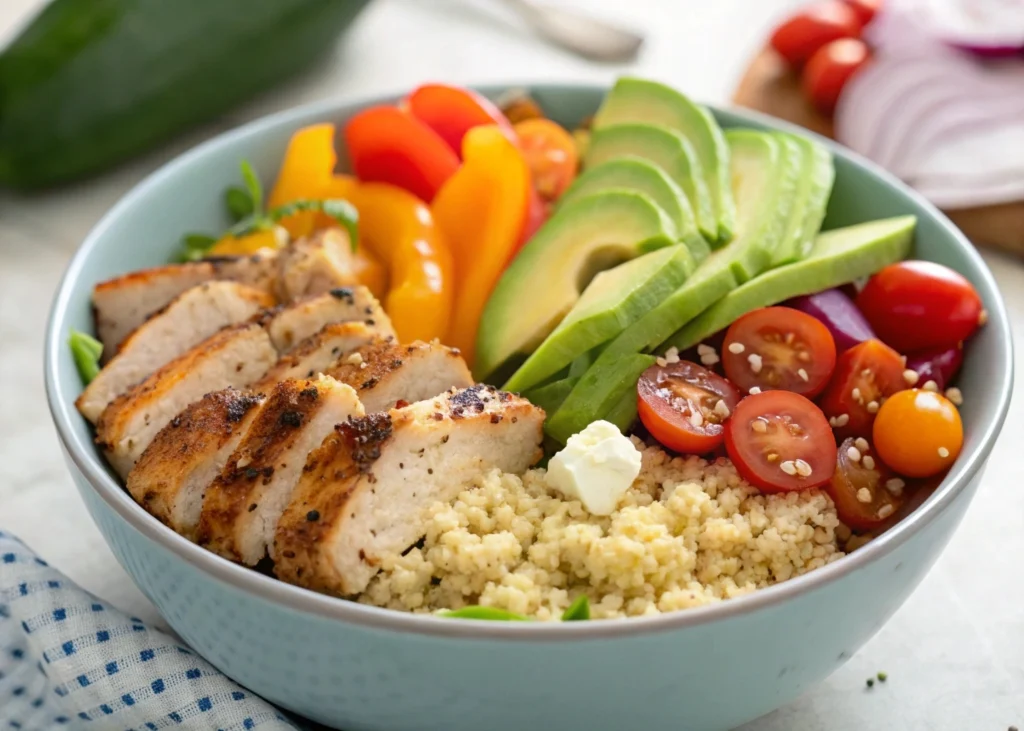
x: 794, y: 411
x: 823, y: 42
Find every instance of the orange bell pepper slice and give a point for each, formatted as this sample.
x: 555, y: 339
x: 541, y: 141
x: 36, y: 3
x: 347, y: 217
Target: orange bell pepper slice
x: 482, y: 210
x: 399, y: 229
x: 229, y: 245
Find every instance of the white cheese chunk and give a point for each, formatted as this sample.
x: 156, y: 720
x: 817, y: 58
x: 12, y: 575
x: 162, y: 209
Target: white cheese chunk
x: 596, y: 467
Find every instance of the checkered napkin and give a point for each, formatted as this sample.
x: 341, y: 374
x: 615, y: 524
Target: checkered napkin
x: 69, y: 660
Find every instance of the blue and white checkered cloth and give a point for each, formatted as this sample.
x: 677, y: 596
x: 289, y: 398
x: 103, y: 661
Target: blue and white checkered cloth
x: 69, y: 660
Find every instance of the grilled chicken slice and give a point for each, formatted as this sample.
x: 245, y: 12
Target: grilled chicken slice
x: 316, y: 354
x: 367, y: 491
x: 290, y: 325
x: 123, y: 303
x: 384, y: 373
x: 242, y: 506
x: 172, y: 475
x: 316, y: 264
x: 235, y: 357
x: 190, y: 318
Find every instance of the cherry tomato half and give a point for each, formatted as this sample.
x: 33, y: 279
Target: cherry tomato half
x: 918, y: 433
x: 388, y: 145
x: 779, y: 348
x: 551, y: 153
x: 865, y: 9
x: 683, y: 406
x: 830, y: 68
x: 866, y: 375
x: 916, y: 305
x: 798, y: 38
x: 780, y: 441
x: 865, y: 491
x: 452, y: 111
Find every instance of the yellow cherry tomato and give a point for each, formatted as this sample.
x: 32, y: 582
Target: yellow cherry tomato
x: 918, y: 433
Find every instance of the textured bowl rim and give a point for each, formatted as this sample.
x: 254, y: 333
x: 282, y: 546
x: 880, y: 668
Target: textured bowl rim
x: 85, y: 458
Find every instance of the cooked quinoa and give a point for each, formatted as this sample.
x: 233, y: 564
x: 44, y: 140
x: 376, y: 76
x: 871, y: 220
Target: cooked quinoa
x: 687, y: 533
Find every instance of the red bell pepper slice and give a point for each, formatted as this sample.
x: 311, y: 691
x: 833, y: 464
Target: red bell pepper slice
x: 452, y: 111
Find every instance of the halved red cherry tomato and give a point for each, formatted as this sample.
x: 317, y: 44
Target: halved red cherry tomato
x: 684, y: 406
x: 388, y: 145
x: 915, y: 305
x: 865, y: 9
x: 537, y: 212
x: 779, y: 348
x: 780, y: 441
x: 452, y: 111
x: 865, y: 491
x: 551, y: 153
x: 830, y: 68
x: 798, y: 38
x: 866, y: 375
x: 919, y: 433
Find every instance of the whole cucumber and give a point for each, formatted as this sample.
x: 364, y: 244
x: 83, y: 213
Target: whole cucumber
x: 92, y: 82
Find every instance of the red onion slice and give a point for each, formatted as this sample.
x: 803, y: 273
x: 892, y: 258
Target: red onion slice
x: 838, y: 313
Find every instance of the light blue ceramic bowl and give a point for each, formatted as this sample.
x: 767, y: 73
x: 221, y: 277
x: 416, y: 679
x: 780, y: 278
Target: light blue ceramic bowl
x: 356, y: 667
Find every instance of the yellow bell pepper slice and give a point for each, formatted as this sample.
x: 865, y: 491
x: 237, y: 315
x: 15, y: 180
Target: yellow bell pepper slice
x: 482, y: 210
x: 228, y: 245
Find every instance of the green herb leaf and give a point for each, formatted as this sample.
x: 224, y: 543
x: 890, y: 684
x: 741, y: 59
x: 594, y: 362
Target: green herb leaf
x: 239, y: 203
x: 195, y: 246
x: 578, y: 611
x: 489, y: 613
x: 86, y: 350
x: 340, y: 210
x: 252, y: 184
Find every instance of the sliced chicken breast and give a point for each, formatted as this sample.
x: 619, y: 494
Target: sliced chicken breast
x: 367, y: 491
x: 316, y: 264
x: 235, y: 357
x: 385, y: 373
x: 190, y: 318
x: 171, y: 476
x: 318, y: 353
x: 290, y: 325
x: 123, y: 303
x: 242, y: 506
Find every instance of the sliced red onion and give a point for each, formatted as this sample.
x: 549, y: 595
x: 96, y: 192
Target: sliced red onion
x: 940, y: 365
x: 987, y: 28
x: 838, y: 313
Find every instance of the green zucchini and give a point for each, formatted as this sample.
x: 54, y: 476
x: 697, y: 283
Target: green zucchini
x: 90, y: 83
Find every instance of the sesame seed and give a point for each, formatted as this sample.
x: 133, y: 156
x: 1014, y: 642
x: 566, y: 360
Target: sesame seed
x: 736, y: 348
x: 931, y: 386
x: 754, y: 390
x: 864, y: 495
x: 697, y: 418
x: 868, y: 462
x: 703, y: 349
x: 866, y: 372
x: 895, y: 485
x: 943, y: 452
x: 832, y: 421
x: 722, y: 409
x: 842, y: 420
x: 955, y: 396
x: 983, y: 317
x: 788, y: 467
x: 803, y: 468
x: 661, y: 361
x: 886, y: 510
x: 709, y: 359
x: 862, y: 444
x: 803, y: 375
x: 672, y: 355
x: 759, y: 425
x: 872, y: 407
x: 853, y: 453
x: 910, y: 377
x: 855, y: 393
x: 755, y: 362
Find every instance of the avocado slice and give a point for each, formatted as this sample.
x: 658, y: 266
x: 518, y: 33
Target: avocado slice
x: 837, y: 257
x: 670, y: 151
x: 635, y: 173
x: 546, y: 278
x: 611, y: 383
x: 810, y: 198
x: 613, y: 301
x: 645, y: 101
x: 551, y: 395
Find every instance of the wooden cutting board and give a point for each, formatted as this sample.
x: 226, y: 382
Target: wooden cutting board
x: 770, y: 87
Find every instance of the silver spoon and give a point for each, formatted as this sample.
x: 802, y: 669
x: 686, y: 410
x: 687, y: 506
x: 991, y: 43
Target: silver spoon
x: 581, y: 34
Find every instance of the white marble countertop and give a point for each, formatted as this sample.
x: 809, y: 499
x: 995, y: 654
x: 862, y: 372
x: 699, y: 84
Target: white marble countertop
x: 954, y: 653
